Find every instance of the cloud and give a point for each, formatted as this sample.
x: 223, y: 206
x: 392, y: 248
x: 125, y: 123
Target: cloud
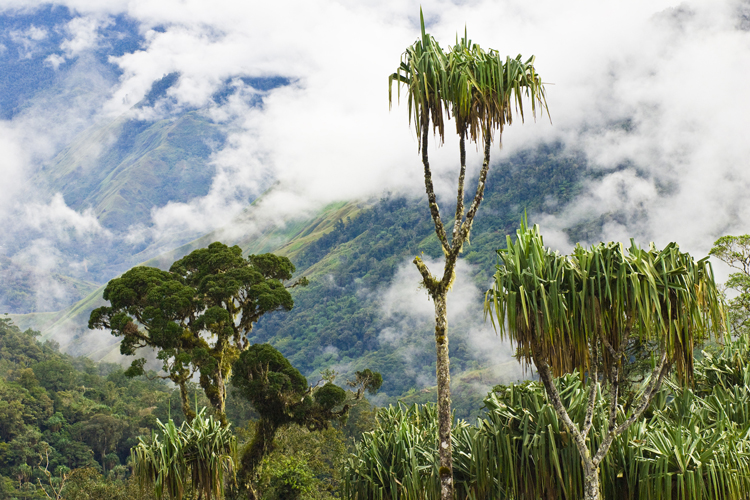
x: 647, y: 90
x: 408, y: 322
x: 28, y: 40
x: 59, y: 219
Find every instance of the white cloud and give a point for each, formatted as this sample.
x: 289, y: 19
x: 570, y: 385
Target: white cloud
x: 652, y: 86
x: 28, y: 40
x: 57, y: 218
x: 408, y: 319
x: 84, y: 34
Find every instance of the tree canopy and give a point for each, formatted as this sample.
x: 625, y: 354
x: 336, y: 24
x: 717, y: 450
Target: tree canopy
x: 197, y: 315
x: 580, y: 312
x: 281, y: 396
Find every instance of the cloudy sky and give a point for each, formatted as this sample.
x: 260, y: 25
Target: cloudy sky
x: 656, y: 88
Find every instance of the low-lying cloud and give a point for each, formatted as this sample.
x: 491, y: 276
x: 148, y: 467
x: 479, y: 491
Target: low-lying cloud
x: 408, y: 322
x: 647, y: 90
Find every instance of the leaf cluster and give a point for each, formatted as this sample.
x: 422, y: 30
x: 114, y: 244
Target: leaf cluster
x: 201, y: 451
x: 569, y: 308
x: 477, y: 87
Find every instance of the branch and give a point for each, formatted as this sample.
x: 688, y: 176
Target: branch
x: 594, y: 379
x: 657, y: 376
x: 466, y: 225
x: 460, y: 195
x: 430, y: 283
x: 432, y: 200
x: 615, y: 393
x: 303, y: 281
x: 545, y: 375
x: 609, y: 347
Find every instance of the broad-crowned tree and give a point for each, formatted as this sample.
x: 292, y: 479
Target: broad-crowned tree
x: 198, y: 315
x: 580, y: 312
x: 479, y: 89
x: 281, y: 396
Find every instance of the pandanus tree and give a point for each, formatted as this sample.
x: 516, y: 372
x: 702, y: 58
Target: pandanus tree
x: 581, y: 312
x: 198, y: 315
x: 480, y: 90
x: 199, y: 454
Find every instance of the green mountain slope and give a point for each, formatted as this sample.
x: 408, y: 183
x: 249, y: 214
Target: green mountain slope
x: 338, y: 321
x: 351, y: 252
x: 124, y: 169
x: 20, y: 286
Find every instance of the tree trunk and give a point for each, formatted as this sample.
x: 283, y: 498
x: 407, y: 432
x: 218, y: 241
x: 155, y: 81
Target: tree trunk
x: 591, y: 489
x: 187, y: 410
x: 262, y: 444
x: 444, y: 396
x: 216, y: 392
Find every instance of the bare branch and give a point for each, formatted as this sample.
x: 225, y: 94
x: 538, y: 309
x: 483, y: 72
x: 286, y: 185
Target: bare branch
x: 466, y: 225
x: 545, y: 375
x: 431, y: 198
x: 593, y: 380
x: 460, y: 194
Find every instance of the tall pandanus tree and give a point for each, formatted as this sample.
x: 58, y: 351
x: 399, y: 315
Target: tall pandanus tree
x: 480, y: 90
x: 581, y: 312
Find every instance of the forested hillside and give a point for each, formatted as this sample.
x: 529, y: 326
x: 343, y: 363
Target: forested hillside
x: 337, y: 320
x: 351, y: 252
x: 78, y: 413
x: 67, y: 414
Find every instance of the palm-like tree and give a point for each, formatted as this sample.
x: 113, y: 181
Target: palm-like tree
x: 481, y: 91
x: 201, y: 450
x: 581, y: 312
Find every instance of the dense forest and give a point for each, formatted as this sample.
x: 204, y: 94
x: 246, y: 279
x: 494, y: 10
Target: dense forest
x: 69, y: 424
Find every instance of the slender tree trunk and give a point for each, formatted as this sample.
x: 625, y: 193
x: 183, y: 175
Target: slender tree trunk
x: 187, y: 410
x: 591, y: 487
x: 445, y: 419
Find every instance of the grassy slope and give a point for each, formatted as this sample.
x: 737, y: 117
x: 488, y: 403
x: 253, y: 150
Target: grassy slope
x: 125, y: 168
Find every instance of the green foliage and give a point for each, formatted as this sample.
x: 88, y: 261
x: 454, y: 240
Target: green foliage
x: 398, y: 459
x: 72, y: 412
x: 197, y: 315
x: 281, y: 396
x: 89, y: 484
x: 692, y: 444
x: 202, y: 451
x: 561, y: 309
x: 477, y: 87
x: 735, y: 252
x: 267, y: 379
x: 288, y: 479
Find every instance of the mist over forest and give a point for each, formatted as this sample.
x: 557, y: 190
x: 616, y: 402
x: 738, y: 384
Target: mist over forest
x: 134, y: 133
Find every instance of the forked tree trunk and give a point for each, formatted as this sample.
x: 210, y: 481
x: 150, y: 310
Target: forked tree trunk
x: 438, y: 289
x: 590, y: 461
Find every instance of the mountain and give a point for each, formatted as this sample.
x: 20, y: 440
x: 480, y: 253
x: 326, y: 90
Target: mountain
x: 124, y: 169
x: 356, y: 254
